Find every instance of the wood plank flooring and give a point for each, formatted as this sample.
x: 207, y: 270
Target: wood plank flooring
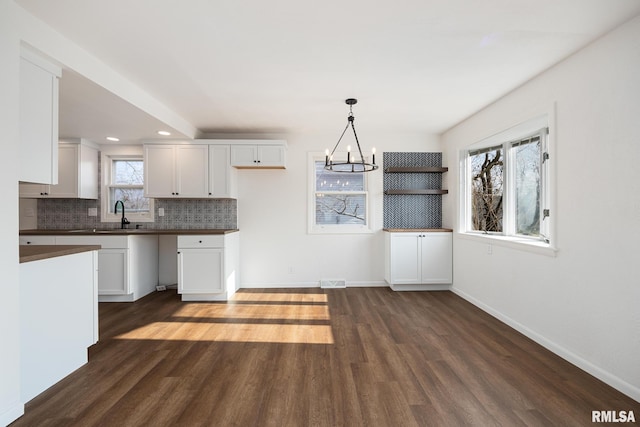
x: 312, y: 357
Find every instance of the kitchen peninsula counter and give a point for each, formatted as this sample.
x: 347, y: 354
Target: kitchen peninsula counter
x: 30, y: 253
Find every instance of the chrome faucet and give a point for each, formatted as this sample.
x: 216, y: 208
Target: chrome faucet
x: 124, y: 221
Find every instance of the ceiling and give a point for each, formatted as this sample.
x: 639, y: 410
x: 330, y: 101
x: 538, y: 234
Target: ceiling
x: 279, y: 66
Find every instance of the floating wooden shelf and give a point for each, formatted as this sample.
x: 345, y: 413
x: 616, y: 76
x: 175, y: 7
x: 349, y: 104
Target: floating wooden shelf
x: 420, y: 169
x: 402, y: 192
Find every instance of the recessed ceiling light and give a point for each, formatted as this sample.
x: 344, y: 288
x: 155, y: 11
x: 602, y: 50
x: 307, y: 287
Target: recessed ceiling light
x: 113, y: 138
x: 164, y: 133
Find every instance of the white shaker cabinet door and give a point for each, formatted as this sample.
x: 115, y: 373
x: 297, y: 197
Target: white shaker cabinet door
x: 437, y: 257
x: 406, y: 261
x: 192, y: 171
x: 113, y: 272
x: 200, y: 271
x: 159, y: 171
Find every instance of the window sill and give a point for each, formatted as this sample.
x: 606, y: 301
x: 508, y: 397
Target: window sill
x: 339, y: 229
x: 521, y: 244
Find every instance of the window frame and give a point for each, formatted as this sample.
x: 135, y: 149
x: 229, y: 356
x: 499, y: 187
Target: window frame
x: 314, y: 228
x: 105, y: 197
x: 507, y: 140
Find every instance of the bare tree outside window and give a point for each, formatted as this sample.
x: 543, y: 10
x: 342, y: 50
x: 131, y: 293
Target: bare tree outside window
x: 487, y: 168
x: 507, y: 186
x: 340, y: 197
x: 127, y: 184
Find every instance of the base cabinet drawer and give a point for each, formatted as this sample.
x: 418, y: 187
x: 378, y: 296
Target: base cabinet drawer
x: 201, y: 241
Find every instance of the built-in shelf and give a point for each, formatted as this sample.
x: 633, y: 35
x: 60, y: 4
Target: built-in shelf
x: 419, y: 191
x: 401, y: 169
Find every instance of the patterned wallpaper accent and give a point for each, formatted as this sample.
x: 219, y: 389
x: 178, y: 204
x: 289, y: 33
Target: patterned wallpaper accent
x: 412, y: 211
x: 59, y: 214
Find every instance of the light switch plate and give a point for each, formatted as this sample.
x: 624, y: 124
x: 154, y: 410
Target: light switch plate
x: 160, y: 211
x: 93, y: 212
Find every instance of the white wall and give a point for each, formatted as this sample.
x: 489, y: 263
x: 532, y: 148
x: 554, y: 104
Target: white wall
x: 10, y: 406
x: 584, y: 303
x: 276, y: 249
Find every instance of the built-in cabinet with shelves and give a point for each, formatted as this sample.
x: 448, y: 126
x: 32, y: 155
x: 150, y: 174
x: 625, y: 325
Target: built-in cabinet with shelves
x: 418, y: 251
x: 77, y: 174
x: 208, y: 266
x: 247, y: 155
x: 418, y: 260
x: 38, y: 119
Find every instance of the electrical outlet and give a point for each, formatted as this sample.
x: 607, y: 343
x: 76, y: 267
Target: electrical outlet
x: 489, y: 249
x: 160, y: 211
x: 93, y: 212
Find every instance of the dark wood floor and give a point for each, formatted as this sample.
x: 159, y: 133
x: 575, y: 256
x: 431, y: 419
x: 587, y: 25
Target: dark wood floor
x: 311, y: 357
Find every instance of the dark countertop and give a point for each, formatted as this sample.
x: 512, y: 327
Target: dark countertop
x: 417, y: 230
x: 126, y: 231
x: 34, y: 253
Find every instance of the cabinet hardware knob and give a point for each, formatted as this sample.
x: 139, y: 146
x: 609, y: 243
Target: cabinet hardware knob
x: 178, y: 252
x: 199, y: 241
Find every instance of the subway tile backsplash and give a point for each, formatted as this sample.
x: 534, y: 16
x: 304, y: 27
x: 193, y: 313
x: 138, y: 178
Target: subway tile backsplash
x: 182, y: 214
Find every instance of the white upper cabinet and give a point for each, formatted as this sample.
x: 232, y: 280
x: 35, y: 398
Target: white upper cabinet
x: 192, y: 170
x: 77, y: 174
x: 222, y: 177
x: 271, y: 155
x: 176, y: 171
x: 38, y: 119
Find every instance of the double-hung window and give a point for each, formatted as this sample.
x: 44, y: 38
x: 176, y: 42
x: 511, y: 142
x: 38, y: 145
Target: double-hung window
x: 506, y: 183
x: 124, y: 181
x: 339, y: 202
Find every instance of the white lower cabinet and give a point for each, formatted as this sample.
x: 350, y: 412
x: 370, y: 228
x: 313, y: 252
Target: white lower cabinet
x: 113, y: 275
x: 128, y: 265
x: 208, y: 266
x: 418, y: 260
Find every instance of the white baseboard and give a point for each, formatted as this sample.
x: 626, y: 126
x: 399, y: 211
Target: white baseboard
x: 605, y: 376
x: 316, y: 284
x: 14, y: 411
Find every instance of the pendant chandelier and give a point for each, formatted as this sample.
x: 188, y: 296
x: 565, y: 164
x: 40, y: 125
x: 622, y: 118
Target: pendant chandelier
x: 353, y: 164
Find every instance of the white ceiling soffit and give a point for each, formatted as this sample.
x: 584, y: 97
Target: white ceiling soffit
x: 89, y: 111
x: 288, y: 65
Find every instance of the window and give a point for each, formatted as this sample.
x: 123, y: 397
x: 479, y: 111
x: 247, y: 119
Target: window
x: 339, y: 201
x: 507, y: 189
x: 124, y: 180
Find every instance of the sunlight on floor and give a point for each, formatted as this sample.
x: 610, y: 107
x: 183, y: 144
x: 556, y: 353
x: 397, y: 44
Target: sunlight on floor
x: 250, y: 317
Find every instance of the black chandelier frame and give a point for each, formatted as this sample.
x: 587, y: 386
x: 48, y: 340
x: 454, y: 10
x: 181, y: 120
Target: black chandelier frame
x: 352, y: 165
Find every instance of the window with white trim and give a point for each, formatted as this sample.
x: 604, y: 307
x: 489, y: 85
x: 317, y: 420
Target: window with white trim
x: 507, y: 187
x: 124, y: 181
x: 339, y: 202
